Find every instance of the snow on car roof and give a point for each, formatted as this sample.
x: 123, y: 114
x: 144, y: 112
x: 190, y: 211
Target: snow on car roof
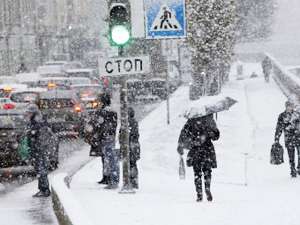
x: 56, y: 62
x: 49, y: 69
x: 53, y: 78
x: 39, y: 90
x: 14, y: 86
x: 79, y: 70
x: 25, y: 77
x: 85, y: 85
x: 58, y: 94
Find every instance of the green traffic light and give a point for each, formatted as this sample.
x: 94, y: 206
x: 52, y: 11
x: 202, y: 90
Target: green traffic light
x: 120, y: 35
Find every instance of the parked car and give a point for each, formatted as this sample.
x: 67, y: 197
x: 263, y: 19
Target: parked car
x: 23, y: 99
x: 79, y: 81
x: 63, y: 111
x: 57, y: 68
x: 12, y: 127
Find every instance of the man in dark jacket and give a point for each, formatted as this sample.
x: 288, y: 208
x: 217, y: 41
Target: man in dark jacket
x: 39, y: 134
x: 134, y: 147
x: 197, y: 136
x: 105, y: 127
x: 285, y: 125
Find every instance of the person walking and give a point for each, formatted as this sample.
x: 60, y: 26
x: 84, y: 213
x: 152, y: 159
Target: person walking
x: 197, y: 136
x: 267, y: 67
x: 134, y: 147
x: 39, y: 136
x: 287, y: 124
x: 105, y: 124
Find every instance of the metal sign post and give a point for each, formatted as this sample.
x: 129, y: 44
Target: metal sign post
x: 124, y: 136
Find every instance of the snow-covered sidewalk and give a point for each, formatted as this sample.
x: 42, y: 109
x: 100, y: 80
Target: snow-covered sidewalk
x: 247, y: 131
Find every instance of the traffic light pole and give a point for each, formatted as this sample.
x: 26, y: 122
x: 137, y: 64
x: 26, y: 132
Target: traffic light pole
x: 124, y: 136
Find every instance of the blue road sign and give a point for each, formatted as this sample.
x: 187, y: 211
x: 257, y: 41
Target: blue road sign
x: 165, y: 19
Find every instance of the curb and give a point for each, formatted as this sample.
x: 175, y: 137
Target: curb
x: 67, y: 210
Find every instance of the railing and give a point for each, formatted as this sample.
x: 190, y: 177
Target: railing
x: 288, y: 82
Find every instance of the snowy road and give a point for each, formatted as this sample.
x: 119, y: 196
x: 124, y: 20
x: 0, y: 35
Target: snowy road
x: 270, y: 196
x: 18, y: 207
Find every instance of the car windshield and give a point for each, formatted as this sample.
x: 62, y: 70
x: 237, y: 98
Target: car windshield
x: 12, y: 120
x: 56, y: 103
x: 24, y: 97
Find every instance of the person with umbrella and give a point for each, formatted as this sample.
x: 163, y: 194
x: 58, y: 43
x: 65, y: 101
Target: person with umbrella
x: 197, y: 136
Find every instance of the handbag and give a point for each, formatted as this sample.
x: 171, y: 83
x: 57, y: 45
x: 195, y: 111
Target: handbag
x: 181, y: 169
x: 276, y: 154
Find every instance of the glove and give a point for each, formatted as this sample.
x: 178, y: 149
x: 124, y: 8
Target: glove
x: 180, y: 150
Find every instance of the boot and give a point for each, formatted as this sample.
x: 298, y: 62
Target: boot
x: 42, y: 194
x: 111, y: 186
x: 208, y: 195
x: 207, y: 189
x: 105, y: 180
x: 199, y: 197
x: 293, y: 173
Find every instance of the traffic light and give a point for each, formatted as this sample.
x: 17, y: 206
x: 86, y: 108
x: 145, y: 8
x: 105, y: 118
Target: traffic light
x: 119, y: 23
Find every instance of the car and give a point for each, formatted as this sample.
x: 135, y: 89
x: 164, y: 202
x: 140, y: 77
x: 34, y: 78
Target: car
x: 50, y: 70
x: 29, y: 79
x: 23, y: 99
x: 12, y: 126
x: 50, y: 83
x: 7, y: 89
x: 63, y: 111
x: 79, y: 81
x: 88, y: 73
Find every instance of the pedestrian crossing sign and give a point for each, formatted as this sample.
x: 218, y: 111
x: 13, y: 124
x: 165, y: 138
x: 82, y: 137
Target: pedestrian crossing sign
x: 165, y: 19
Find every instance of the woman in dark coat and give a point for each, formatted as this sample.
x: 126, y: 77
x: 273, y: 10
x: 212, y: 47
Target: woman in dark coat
x: 197, y: 136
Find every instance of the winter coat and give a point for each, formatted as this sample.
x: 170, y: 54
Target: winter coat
x: 284, y: 124
x: 197, y: 136
x: 104, y: 123
x: 42, y: 143
x: 134, y: 135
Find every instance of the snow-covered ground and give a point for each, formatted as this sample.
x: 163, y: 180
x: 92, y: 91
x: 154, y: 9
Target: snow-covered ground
x: 17, y: 207
x: 246, y: 188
